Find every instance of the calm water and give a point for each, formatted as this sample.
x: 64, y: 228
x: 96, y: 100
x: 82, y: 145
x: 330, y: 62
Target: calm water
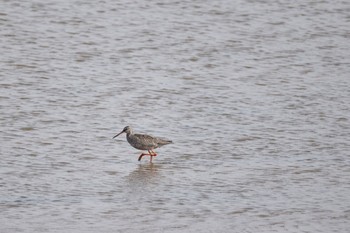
x: 255, y: 95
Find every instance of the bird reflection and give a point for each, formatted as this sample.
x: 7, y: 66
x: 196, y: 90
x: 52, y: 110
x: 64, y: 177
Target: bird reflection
x: 143, y: 176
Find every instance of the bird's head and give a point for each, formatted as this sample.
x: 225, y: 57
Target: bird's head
x: 127, y: 130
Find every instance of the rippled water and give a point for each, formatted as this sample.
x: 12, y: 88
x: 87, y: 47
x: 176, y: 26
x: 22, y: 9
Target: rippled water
x: 255, y: 95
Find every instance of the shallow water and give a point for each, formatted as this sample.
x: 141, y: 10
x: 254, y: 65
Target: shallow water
x: 254, y: 94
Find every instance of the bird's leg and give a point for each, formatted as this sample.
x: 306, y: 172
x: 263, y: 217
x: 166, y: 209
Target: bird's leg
x: 140, y: 157
x: 154, y: 153
x: 150, y: 154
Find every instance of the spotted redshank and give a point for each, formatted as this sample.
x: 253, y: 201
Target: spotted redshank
x: 143, y: 142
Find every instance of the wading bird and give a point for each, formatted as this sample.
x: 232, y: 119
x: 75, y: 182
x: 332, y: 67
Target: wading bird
x: 143, y: 142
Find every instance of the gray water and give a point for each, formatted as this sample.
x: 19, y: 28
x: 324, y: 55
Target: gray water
x: 254, y: 94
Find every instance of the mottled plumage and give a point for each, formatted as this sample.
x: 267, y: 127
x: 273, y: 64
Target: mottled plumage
x: 143, y: 141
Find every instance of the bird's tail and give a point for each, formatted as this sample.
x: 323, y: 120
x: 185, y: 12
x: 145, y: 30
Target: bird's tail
x: 165, y: 142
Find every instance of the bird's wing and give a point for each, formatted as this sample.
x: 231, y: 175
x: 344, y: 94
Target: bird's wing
x: 146, y: 139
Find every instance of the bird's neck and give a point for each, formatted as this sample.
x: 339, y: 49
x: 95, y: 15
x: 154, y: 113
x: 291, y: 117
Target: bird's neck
x: 129, y: 133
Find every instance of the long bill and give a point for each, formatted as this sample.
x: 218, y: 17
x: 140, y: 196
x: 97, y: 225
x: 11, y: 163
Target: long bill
x: 118, y: 134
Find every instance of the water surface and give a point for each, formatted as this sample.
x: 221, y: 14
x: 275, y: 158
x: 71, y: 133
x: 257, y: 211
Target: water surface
x: 254, y: 94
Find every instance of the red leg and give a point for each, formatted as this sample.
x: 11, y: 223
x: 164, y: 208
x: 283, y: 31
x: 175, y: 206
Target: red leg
x: 140, y: 157
x: 153, y: 153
